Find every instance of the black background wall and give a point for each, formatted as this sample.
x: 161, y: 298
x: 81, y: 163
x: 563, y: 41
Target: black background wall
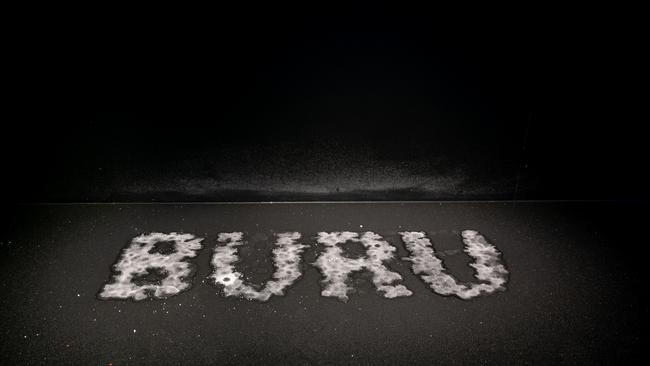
x: 308, y: 108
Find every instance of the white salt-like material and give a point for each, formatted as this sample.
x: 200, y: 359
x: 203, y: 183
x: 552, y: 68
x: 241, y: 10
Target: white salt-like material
x: 286, y: 259
x: 136, y: 260
x: 337, y: 269
x: 487, y: 265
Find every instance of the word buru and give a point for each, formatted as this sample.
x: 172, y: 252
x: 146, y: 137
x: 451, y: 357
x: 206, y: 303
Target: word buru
x: 145, y: 269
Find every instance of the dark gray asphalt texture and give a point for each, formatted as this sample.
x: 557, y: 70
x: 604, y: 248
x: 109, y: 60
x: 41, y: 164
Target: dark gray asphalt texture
x: 575, y: 294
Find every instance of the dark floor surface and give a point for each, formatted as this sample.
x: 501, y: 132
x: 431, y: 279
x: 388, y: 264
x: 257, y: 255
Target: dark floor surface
x: 575, y: 294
